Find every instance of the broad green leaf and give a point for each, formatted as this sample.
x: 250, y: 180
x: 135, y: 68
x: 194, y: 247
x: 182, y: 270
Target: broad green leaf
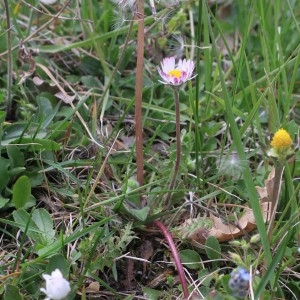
x: 30, y: 203
x: 58, y: 261
x: 4, y: 173
x: 44, y: 222
x: 206, y: 277
x: 39, y: 144
x: 16, y: 171
x: 35, y: 178
x: 46, y: 111
x: 21, y: 191
x: 3, y: 201
x: 58, y: 244
x: 151, y: 294
x: 212, y: 248
x: 12, y: 292
x: 16, y: 156
x: 14, y: 131
x: 190, y: 258
x: 140, y: 214
x: 25, y: 223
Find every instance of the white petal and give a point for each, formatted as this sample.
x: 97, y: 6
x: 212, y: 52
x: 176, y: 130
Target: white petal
x: 168, y: 64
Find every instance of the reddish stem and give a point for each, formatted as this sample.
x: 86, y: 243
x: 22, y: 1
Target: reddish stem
x: 138, y: 94
x: 176, y: 257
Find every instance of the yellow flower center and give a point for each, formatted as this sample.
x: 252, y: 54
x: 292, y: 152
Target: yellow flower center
x: 281, y: 140
x: 175, y: 73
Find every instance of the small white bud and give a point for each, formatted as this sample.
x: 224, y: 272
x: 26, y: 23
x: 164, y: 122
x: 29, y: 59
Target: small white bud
x: 57, y: 287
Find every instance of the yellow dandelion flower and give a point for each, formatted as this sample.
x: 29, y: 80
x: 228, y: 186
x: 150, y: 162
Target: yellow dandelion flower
x: 281, y: 140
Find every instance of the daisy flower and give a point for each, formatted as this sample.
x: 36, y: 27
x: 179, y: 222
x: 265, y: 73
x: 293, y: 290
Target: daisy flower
x: 176, y: 74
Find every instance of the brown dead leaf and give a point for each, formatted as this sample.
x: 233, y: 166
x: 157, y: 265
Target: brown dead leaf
x: 224, y: 232
x: 266, y: 191
x: 198, y: 229
x: 231, y: 42
x: 65, y: 97
x: 146, y: 252
x: 269, y: 191
x: 94, y: 287
x: 45, y: 86
x: 61, y: 94
x: 129, y: 282
x: 26, y: 63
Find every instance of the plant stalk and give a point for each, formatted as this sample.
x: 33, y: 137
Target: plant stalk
x: 9, y: 64
x: 138, y: 93
x: 275, y: 198
x: 178, y: 144
x: 175, y: 255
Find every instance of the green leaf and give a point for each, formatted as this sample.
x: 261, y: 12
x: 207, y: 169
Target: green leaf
x: 25, y: 223
x: 21, y: 191
x: 14, y: 131
x: 30, y: 203
x: 44, y: 222
x: 12, y: 292
x: 58, y: 261
x: 140, y: 214
x: 151, y: 294
x: 212, y: 248
x: 39, y: 226
x: 190, y: 258
x: 16, y: 171
x: 16, y: 156
x: 3, y: 201
x: 4, y: 173
x: 2, y: 116
x: 40, y: 144
x: 58, y: 244
x: 46, y: 112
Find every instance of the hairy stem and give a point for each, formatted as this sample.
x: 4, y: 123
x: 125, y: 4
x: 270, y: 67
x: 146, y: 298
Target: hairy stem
x: 175, y: 255
x: 178, y: 144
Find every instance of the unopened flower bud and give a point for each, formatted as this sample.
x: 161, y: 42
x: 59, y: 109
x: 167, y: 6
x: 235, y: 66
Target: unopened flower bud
x: 57, y: 287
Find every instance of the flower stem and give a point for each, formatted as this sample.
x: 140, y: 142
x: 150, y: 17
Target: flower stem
x: 175, y: 255
x: 138, y: 94
x: 9, y: 114
x: 178, y: 145
x: 275, y: 197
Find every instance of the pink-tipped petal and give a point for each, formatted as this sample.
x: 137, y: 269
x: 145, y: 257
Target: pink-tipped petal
x: 169, y: 71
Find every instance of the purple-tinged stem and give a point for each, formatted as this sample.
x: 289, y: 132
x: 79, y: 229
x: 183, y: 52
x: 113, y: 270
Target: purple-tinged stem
x: 138, y: 94
x: 175, y: 255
